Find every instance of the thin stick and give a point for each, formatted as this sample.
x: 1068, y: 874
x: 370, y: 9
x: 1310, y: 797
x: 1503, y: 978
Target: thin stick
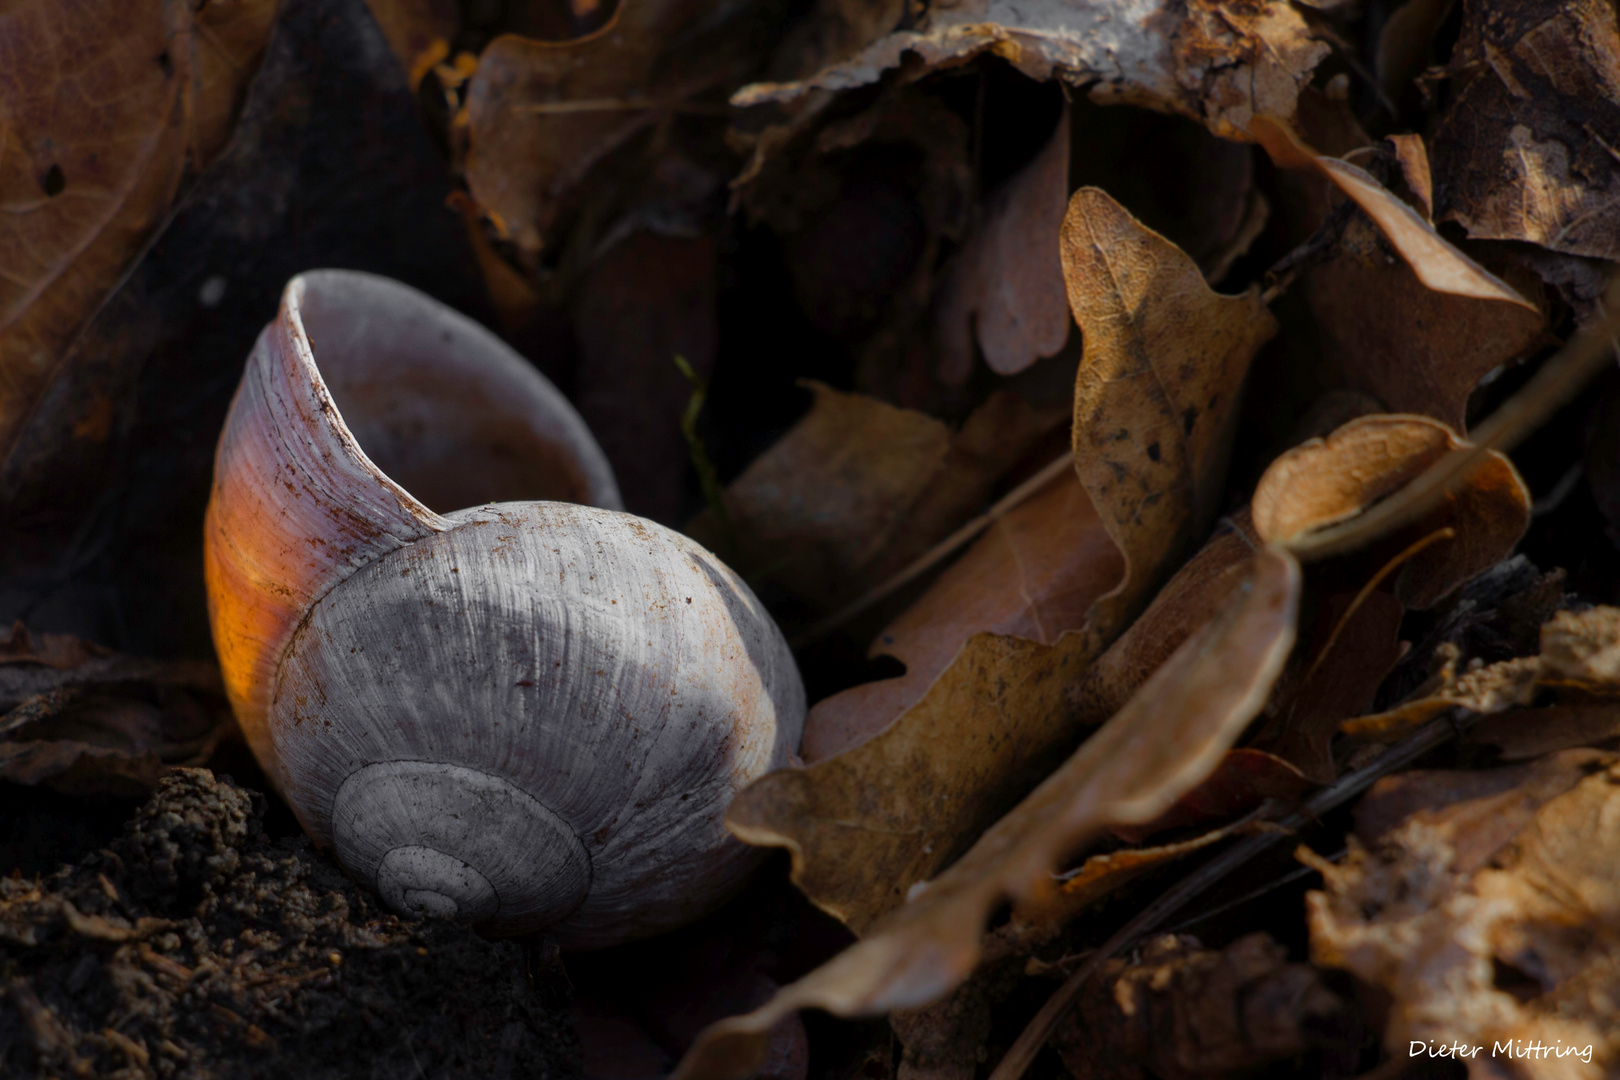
x: 1435, y: 733
x: 1553, y: 386
x: 941, y: 550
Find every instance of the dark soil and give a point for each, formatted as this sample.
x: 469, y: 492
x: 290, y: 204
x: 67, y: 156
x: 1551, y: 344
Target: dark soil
x: 196, y: 946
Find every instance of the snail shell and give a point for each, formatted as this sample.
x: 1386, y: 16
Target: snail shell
x: 527, y: 714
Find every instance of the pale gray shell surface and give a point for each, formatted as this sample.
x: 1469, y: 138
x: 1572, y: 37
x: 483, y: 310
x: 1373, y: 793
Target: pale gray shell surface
x: 527, y: 714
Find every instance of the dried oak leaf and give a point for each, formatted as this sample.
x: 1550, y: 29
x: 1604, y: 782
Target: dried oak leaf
x: 1526, y: 150
x: 1181, y: 1011
x: 1491, y: 918
x: 1160, y: 746
x: 1418, y: 334
x: 858, y: 488
x: 1006, y: 291
x: 540, y: 114
x: 1216, y: 63
x: 1154, y: 401
x: 101, y: 114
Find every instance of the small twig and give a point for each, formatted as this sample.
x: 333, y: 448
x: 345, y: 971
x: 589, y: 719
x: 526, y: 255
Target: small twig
x: 708, y: 475
x: 1283, y: 272
x: 941, y: 550
x: 1436, y: 733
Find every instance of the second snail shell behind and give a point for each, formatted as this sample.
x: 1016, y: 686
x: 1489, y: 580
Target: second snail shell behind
x: 528, y: 714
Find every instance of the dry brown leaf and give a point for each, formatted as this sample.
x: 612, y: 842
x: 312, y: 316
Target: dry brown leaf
x: 1490, y: 919
x: 1581, y: 649
x: 1006, y: 291
x: 1034, y: 574
x: 100, y: 114
x: 1326, y: 481
x: 1187, y: 601
x: 1527, y: 148
x: 1181, y: 1011
x: 1154, y: 401
x: 1155, y: 396
x: 540, y: 114
x: 1361, y: 646
x: 1243, y: 780
x: 1419, y: 334
x: 1160, y: 746
x: 1212, y: 62
x: 1532, y: 733
x: 83, y: 719
x: 858, y: 488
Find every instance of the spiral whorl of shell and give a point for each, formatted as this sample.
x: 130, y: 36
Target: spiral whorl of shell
x: 525, y: 713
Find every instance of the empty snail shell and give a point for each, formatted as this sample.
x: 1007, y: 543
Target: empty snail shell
x: 526, y: 714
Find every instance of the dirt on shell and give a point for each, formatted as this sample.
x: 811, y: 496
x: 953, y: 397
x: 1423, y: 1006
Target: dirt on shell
x: 197, y: 947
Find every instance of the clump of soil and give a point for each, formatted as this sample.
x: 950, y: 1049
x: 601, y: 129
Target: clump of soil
x: 196, y: 947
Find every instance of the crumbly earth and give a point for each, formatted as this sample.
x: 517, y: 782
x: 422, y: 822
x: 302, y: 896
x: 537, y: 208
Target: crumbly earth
x: 196, y: 947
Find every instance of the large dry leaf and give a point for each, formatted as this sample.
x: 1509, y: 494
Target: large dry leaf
x: 540, y: 114
x: 101, y: 111
x: 1154, y: 400
x: 1527, y: 148
x: 858, y: 488
x: 1170, y: 736
x: 1006, y: 292
x: 1417, y: 334
x: 1490, y: 919
x: 1214, y: 62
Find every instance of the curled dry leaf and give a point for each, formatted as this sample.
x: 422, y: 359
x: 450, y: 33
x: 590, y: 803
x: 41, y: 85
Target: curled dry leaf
x: 1490, y: 919
x: 1320, y: 482
x: 1182, y: 1011
x: 102, y: 112
x: 1154, y: 400
x: 1526, y: 149
x: 859, y: 487
x: 1419, y: 334
x: 1160, y: 746
x: 540, y: 114
x: 1214, y: 63
x: 1326, y: 481
x: 1006, y: 292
